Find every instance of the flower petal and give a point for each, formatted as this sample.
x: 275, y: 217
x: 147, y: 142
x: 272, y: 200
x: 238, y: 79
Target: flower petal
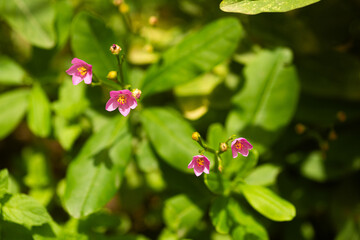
x: 72, y: 70
x: 198, y: 170
x: 111, y: 105
x: 76, y: 79
x: 77, y: 61
x: 88, y: 78
x: 124, y: 110
x: 132, y: 102
x: 244, y: 151
x: 191, y: 164
x: 234, y: 151
x: 115, y: 94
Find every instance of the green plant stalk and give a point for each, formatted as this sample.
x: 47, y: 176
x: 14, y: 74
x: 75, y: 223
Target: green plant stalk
x: 120, y: 74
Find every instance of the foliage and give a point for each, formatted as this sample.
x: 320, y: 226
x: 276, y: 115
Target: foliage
x: 286, y: 79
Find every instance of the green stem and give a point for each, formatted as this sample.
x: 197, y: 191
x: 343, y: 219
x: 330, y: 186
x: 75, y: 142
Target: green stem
x: 120, y: 70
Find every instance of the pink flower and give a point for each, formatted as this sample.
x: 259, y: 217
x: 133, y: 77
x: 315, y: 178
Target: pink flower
x: 80, y: 70
x: 201, y: 164
x: 123, y: 100
x: 240, y: 145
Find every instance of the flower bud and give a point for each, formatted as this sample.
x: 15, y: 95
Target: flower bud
x: 112, y: 75
x: 300, y: 128
x: 195, y: 136
x: 117, y: 2
x: 153, y: 20
x: 341, y: 116
x: 115, y: 49
x: 124, y: 8
x: 332, y: 135
x: 223, y: 147
x: 136, y: 93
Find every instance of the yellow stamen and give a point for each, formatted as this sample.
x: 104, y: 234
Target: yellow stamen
x: 238, y: 145
x: 82, y: 70
x: 200, y: 161
x: 122, y: 100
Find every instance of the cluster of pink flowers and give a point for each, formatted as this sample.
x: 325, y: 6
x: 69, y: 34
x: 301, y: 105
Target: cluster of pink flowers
x: 201, y: 164
x: 124, y: 100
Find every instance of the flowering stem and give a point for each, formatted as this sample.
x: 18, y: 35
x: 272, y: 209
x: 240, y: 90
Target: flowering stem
x: 120, y: 72
x: 98, y: 81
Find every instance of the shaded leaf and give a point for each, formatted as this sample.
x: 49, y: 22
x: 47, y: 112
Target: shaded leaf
x: 11, y: 72
x: 170, y: 135
x: 4, y: 181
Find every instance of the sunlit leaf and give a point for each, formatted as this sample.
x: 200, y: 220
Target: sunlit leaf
x: 268, y: 203
x: 11, y: 72
x: 13, y: 105
x: 32, y: 19
x: 258, y: 6
x: 24, y: 210
x: 4, y: 179
x: 39, y: 113
x: 263, y: 175
x: 193, y: 56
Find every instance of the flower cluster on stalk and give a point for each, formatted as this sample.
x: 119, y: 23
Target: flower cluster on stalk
x: 200, y: 163
x: 124, y: 100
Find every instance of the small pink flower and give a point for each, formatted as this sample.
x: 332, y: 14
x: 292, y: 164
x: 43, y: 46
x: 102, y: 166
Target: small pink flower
x: 80, y: 70
x: 240, y: 145
x: 201, y: 164
x: 123, y: 100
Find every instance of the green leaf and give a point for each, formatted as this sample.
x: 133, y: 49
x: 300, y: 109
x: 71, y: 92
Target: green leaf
x: 11, y: 72
x: 146, y: 158
x: 269, y: 97
x: 268, y: 203
x: 249, y: 226
x: 13, y: 105
x: 39, y: 114
x: 24, y: 210
x: 95, y: 175
x: 263, y: 175
x: 4, y: 181
x: 259, y: 6
x: 193, y: 56
x: 170, y: 135
x: 64, y: 15
x: 72, y: 101
x: 181, y: 214
x: 90, y: 41
x: 217, y: 183
x: 65, y: 132
x: 246, y: 163
x: 38, y: 172
x: 220, y: 216
x: 32, y: 19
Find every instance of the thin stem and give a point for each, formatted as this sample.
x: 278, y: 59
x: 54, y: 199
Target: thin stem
x: 120, y: 71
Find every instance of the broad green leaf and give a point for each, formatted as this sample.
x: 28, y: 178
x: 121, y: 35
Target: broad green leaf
x: 12, y: 231
x: 314, y: 167
x: 4, y: 181
x: 217, y: 183
x: 181, y: 214
x: 39, y: 114
x: 249, y: 226
x: 259, y: 6
x: 13, y: 105
x: 193, y: 56
x: 95, y: 175
x: 263, y: 175
x: 246, y: 163
x: 38, y: 172
x: 64, y: 15
x: 90, y: 41
x: 146, y: 158
x: 24, y: 210
x: 32, y: 19
x: 72, y: 101
x: 170, y: 135
x: 269, y: 97
x: 268, y: 203
x: 65, y: 132
x: 220, y: 216
x: 11, y: 72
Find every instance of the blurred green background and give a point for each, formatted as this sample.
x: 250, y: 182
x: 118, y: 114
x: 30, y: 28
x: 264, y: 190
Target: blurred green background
x: 287, y: 81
